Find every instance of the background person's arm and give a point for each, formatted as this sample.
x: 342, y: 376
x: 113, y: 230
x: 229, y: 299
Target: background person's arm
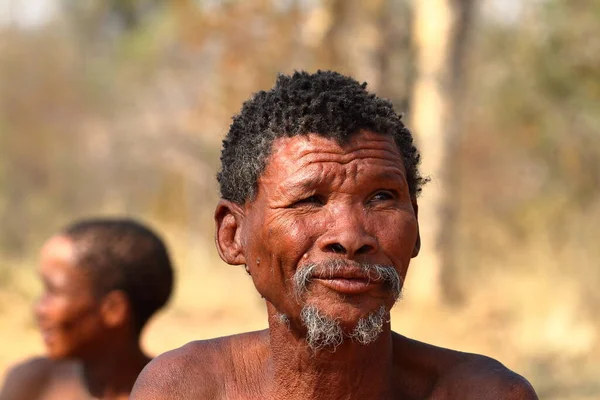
x: 26, y: 381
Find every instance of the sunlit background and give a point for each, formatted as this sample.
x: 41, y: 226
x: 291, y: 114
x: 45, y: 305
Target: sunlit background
x: 113, y: 107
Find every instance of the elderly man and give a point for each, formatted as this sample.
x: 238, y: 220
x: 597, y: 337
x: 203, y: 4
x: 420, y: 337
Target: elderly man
x: 319, y: 186
x: 103, y: 280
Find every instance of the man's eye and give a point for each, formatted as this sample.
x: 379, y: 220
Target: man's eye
x: 382, y: 196
x: 312, y: 200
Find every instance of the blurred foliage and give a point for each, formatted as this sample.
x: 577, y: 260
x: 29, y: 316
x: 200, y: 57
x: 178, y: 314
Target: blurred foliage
x: 530, y: 156
x: 112, y: 100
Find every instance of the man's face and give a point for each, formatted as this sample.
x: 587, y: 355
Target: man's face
x: 319, y: 202
x: 67, y: 312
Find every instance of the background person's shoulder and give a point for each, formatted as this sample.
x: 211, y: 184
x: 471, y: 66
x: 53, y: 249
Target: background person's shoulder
x: 482, y: 378
x: 26, y: 379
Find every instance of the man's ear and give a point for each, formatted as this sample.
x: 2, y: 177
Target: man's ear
x: 228, y: 234
x: 417, y: 247
x: 115, y: 308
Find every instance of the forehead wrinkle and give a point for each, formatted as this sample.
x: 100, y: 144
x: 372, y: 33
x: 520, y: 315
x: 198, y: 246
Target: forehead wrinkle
x: 314, y: 143
x: 307, y: 181
x: 301, y: 180
x: 388, y: 172
x: 346, y: 156
x: 297, y: 157
x: 322, y: 159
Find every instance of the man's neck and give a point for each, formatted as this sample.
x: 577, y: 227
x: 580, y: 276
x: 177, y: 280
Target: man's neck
x: 111, y: 374
x: 351, y: 371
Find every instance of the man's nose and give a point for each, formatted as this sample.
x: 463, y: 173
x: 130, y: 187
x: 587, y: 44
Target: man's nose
x: 346, y: 234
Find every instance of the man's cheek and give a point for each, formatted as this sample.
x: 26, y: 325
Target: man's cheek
x: 307, y: 228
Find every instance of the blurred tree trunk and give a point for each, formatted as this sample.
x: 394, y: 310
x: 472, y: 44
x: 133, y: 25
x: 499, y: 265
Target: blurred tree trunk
x: 440, y: 35
x: 451, y: 278
x: 395, y: 55
x: 331, y: 54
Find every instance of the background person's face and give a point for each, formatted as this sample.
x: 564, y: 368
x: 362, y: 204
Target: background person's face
x: 319, y: 201
x: 67, y: 311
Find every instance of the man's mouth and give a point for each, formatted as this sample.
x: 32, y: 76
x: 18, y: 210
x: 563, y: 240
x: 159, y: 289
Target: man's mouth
x: 347, y: 277
x: 348, y: 285
x: 347, y: 280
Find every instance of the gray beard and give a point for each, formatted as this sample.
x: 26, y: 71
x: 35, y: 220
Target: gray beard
x: 324, y: 332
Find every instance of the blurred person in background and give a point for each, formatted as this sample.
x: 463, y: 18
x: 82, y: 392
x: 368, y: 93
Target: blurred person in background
x: 103, y: 280
x: 319, y: 182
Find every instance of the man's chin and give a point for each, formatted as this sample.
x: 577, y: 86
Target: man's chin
x: 349, y: 311
x: 326, y: 330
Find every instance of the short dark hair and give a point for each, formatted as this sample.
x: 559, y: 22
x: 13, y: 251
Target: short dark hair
x: 123, y: 254
x: 326, y: 103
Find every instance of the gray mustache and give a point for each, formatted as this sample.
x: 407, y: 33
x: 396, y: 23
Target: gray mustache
x: 377, y: 272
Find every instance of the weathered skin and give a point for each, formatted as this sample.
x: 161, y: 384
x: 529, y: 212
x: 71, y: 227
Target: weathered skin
x: 92, y: 349
x: 316, y: 201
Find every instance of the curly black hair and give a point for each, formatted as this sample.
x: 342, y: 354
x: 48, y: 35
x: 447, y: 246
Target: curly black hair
x: 123, y: 254
x: 326, y: 103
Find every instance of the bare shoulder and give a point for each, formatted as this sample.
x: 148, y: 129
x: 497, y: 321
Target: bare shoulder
x: 186, y: 372
x: 449, y: 374
x: 197, y: 370
x: 482, y: 378
x: 27, y: 379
